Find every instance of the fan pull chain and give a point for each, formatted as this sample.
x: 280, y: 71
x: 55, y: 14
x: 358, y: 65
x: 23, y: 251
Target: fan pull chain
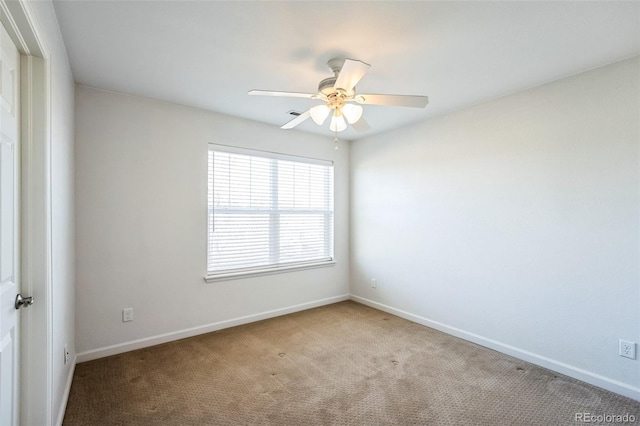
x: 335, y: 141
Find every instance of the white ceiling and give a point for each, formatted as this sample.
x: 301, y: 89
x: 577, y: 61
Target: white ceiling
x: 208, y: 54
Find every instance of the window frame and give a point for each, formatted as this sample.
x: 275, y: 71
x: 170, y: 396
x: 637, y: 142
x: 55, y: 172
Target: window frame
x: 212, y: 276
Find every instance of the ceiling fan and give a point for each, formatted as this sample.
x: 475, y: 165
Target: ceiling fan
x: 339, y: 94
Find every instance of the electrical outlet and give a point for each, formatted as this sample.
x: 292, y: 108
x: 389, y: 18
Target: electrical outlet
x: 627, y: 349
x: 374, y: 283
x: 127, y: 314
x: 66, y: 355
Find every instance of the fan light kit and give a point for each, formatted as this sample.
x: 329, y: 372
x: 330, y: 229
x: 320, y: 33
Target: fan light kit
x: 339, y: 94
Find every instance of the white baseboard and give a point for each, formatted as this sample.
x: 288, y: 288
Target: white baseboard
x: 557, y: 366
x: 551, y: 364
x: 194, y: 331
x: 67, y: 390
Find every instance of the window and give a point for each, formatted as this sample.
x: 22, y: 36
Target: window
x: 267, y: 212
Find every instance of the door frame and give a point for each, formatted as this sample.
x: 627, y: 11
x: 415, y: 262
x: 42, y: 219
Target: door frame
x: 35, y: 374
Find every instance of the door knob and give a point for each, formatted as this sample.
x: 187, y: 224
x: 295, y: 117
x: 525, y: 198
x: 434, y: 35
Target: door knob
x: 23, y: 301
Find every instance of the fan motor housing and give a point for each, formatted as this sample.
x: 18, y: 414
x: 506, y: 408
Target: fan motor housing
x: 326, y: 86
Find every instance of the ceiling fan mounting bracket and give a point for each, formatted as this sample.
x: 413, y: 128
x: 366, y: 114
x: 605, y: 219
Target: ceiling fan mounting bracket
x: 336, y: 65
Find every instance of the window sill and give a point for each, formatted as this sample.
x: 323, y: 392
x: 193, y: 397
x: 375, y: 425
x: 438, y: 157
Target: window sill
x: 266, y: 271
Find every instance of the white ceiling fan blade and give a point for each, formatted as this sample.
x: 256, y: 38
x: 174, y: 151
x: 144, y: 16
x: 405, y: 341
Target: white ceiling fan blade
x: 350, y: 74
x: 413, y: 101
x: 361, y: 125
x: 299, y: 119
x: 287, y: 94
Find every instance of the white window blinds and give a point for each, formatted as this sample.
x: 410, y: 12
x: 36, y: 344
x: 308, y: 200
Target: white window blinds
x: 267, y: 210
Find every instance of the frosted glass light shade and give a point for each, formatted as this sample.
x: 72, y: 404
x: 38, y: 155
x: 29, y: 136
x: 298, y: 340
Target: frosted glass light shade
x: 337, y: 123
x: 352, y: 112
x: 319, y: 113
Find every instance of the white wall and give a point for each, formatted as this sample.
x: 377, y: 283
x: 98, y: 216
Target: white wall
x: 141, y: 189
x: 62, y: 204
x: 513, y: 223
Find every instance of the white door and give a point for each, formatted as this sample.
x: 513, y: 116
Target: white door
x: 9, y: 229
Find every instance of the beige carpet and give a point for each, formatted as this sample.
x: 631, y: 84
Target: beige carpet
x: 342, y: 364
